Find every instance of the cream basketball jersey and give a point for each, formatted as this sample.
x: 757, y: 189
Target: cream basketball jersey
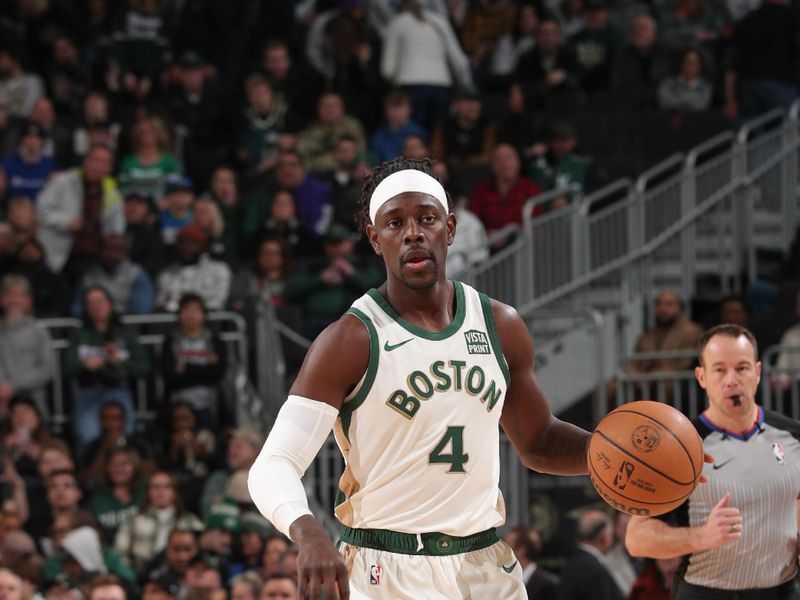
x: 419, y: 433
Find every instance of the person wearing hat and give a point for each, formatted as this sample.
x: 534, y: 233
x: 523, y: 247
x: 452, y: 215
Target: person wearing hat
x: 559, y: 166
x: 243, y: 448
x: 76, y: 209
x: 253, y: 533
x: 217, y: 541
x: 328, y: 285
x: 176, y: 210
x: 27, y: 170
x: 142, y: 234
x: 195, y: 272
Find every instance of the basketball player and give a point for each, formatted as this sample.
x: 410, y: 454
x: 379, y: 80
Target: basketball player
x: 739, y: 531
x: 414, y: 379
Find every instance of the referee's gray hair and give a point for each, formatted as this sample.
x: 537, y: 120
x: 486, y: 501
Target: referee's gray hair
x: 13, y: 280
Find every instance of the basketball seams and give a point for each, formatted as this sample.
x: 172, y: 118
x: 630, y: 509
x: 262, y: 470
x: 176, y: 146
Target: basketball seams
x: 667, y: 429
x: 679, y: 500
x: 639, y: 460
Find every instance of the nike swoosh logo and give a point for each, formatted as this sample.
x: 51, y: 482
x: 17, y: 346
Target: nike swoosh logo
x: 720, y: 465
x: 511, y: 568
x: 389, y: 347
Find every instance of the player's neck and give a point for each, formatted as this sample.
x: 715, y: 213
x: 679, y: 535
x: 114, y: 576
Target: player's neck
x: 739, y: 424
x: 432, y: 308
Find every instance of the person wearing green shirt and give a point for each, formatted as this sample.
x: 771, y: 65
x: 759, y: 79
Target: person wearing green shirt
x: 118, y: 497
x: 560, y: 167
x: 147, y: 169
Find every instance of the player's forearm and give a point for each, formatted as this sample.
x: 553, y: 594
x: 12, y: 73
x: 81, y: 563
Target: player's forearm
x: 651, y: 538
x: 561, y: 450
x: 307, y: 531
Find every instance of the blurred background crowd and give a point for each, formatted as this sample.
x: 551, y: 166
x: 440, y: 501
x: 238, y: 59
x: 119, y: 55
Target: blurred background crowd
x: 188, y: 156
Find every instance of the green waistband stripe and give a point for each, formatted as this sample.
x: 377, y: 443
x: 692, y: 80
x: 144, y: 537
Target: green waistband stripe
x: 433, y: 544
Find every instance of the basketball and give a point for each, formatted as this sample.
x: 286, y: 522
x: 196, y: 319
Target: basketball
x: 645, y: 458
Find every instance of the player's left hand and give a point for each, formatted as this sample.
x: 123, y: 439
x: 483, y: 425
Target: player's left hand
x: 321, y: 569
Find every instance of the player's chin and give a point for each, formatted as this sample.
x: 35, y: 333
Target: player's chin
x: 420, y: 280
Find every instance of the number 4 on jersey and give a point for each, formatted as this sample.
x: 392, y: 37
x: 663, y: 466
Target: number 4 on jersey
x: 454, y: 436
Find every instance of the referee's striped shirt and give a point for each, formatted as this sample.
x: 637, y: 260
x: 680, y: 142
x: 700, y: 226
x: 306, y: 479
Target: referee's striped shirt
x: 761, y: 470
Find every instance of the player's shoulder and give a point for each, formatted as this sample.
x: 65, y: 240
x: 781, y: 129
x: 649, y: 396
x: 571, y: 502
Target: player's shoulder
x: 782, y: 422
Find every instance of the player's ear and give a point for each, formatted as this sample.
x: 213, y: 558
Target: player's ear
x: 451, y: 228
x: 372, y: 236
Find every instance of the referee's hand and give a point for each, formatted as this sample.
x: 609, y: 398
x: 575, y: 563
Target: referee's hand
x: 321, y: 572
x: 724, y: 524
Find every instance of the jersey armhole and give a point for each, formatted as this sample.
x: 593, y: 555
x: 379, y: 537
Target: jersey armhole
x: 359, y: 394
x: 494, y: 339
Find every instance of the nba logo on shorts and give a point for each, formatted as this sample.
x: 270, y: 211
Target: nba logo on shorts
x: 375, y: 574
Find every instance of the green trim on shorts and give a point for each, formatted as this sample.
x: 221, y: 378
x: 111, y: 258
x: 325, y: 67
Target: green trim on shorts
x: 433, y: 544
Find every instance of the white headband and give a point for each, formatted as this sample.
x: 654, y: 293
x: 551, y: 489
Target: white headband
x: 409, y: 180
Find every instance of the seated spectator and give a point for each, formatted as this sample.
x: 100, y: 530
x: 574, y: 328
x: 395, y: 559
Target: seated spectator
x: 483, y: 27
x: 510, y: 47
x: 221, y: 525
x: 224, y: 192
x: 414, y: 146
x: 54, y: 456
x: 328, y: 285
x: 521, y: 127
x: 265, y: 278
x: 106, y: 587
x: 117, y: 498
x: 527, y: 546
x: 208, y: 217
x: 311, y: 196
x: 279, y: 586
x: 595, y: 47
x: 586, y: 575
x: 201, y: 116
x: 762, y: 76
x: 641, y: 64
x: 128, y: 283
x: 95, y: 118
x: 688, y: 22
x: 203, y: 580
x: 169, y: 569
x: 274, y: 547
x: 467, y: 136
x: 51, y: 291
x: 260, y: 135
x: 193, y: 272
x: 177, y: 209
x: 688, y: 91
x: 571, y: 17
x: 194, y: 360
x: 113, y: 427
x: 281, y: 220
x: 26, y: 172
x: 549, y: 71
x: 623, y: 12
x: 673, y: 331
x: 316, y: 142
x: 733, y: 310
x: 56, y: 136
x: 788, y: 364
x: 140, y: 46
x: 387, y: 141
x: 18, y: 88
x: 243, y: 448
x: 24, y: 434
x: 142, y: 233
x: 8, y: 248
x: 190, y: 452
x: 345, y: 180
x: 68, y: 77
x: 150, y: 166
x: 11, y: 585
x: 470, y: 247
x: 294, y: 84
x: 26, y: 359
x: 161, y: 588
x: 102, y: 355
x: 21, y: 217
x: 76, y: 209
x: 559, y: 166
x: 253, y: 533
x: 63, y: 496
x: 141, y: 538
x: 246, y: 586
x: 422, y: 56
x: 499, y: 201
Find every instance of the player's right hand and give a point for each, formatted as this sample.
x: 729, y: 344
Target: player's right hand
x: 321, y: 572
x: 724, y: 524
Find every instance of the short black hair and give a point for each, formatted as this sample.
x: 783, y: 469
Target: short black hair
x: 380, y: 173
x: 728, y: 330
x: 191, y: 298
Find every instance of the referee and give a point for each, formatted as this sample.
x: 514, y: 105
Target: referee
x: 739, y: 532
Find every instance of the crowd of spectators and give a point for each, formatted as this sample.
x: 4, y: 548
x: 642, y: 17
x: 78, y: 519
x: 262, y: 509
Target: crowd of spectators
x: 190, y: 156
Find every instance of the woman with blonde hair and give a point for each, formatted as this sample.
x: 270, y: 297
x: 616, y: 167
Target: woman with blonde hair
x: 147, y: 169
x: 208, y: 217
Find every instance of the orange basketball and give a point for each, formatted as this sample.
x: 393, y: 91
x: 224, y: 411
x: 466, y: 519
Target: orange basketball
x: 645, y: 458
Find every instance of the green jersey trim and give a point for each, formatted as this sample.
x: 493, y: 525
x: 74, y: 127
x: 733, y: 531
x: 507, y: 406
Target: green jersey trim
x: 372, y: 370
x: 494, y: 339
x: 454, y: 326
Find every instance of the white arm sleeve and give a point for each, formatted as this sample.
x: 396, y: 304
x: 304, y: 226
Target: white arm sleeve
x: 274, y: 482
